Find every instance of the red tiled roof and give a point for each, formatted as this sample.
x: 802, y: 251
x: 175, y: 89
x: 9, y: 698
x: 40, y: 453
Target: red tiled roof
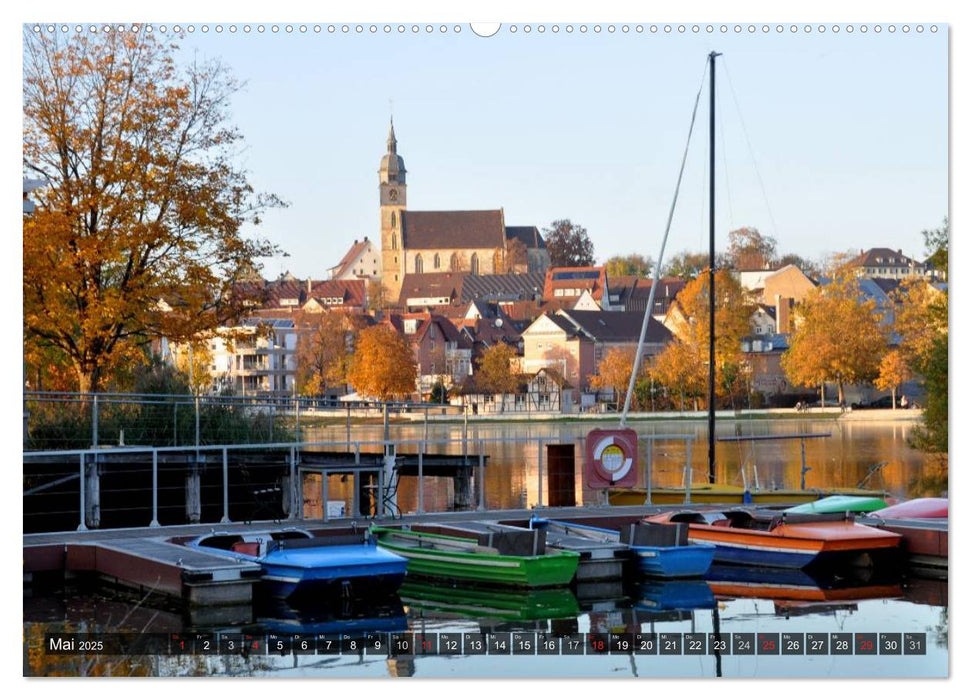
x: 423, y: 230
x: 593, y: 279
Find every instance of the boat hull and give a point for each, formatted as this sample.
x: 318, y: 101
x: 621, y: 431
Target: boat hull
x: 724, y: 493
x: 432, y: 556
x: 675, y: 562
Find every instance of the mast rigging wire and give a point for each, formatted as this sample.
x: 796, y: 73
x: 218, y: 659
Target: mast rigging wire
x: 660, y: 260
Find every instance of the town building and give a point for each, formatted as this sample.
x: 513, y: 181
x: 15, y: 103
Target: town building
x: 886, y: 263
x: 361, y: 261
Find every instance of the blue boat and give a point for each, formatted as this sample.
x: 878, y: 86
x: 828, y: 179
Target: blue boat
x: 663, y: 596
x: 296, y: 562
x: 662, y: 552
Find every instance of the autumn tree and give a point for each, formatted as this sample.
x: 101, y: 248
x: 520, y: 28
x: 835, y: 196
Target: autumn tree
x: 892, y: 373
x: 516, y: 258
x: 324, y: 346
x: 686, y: 265
x: 377, y: 296
x: 613, y: 373
x: 193, y: 359
x: 494, y: 373
x: 920, y: 317
x: 748, y: 249
x: 383, y: 364
x: 568, y: 244
x: 733, y: 308
x: 138, y: 234
x: 838, y: 337
x: 681, y: 369
x: 632, y: 264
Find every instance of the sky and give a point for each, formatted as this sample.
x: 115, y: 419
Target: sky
x: 825, y: 141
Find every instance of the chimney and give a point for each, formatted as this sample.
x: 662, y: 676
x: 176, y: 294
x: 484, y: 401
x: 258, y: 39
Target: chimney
x: 308, y: 287
x: 783, y: 308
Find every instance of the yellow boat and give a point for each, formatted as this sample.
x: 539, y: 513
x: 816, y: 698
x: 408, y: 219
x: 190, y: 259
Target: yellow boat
x: 726, y: 493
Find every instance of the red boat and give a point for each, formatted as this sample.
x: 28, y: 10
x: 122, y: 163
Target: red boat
x: 784, y: 540
x: 918, y: 508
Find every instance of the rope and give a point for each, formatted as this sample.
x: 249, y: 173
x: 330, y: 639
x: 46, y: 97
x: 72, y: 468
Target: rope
x: 660, y: 260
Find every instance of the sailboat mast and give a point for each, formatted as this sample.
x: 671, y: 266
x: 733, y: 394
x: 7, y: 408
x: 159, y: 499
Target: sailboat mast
x: 711, y: 274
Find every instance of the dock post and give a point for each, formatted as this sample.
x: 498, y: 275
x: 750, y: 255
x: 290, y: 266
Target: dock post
x: 356, y: 476
x: 348, y: 425
x: 81, y: 525
x: 154, y: 522
x: 225, y: 518
x: 193, y: 491
x: 648, y: 468
x: 323, y: 493
x: 687, y: 475
x: 290, y: 503
x: 421, y: 467
x: 481, y: 477
x: 94, y: 422
x: 803, y: 469
x: 539, y: 478
x: 92, y: 496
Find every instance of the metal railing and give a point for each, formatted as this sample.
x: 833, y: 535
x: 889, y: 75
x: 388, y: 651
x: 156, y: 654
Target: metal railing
x: 92, y: 467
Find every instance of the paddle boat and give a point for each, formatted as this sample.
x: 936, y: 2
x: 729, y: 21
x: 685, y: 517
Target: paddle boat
x: 916, y: 509
x: 729, y: 493
x: 784, y: 540
x: 294, y: 561
x: 498, y: 558
x: 660, y: 550
x: 840, y: 504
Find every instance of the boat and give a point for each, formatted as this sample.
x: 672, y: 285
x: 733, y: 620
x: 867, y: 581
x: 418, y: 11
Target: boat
x: 657, y: 596
x: 725, y: 494
x: 294, y: 561
x: 915, y: 509
x: 277, y: 616
x: 480, y: 603
x: 840, y: 504
x: 660, y: 550
x: 783, y: 540
x: 504, y: 559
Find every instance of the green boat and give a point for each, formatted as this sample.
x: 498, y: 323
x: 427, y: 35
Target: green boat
x: 501, y: 561
x: 840, y: 504
x: 509, y: 604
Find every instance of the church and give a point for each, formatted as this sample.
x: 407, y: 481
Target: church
x: 476, y: 242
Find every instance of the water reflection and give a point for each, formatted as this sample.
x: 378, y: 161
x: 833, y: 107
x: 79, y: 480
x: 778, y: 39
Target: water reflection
x: 847, y: 458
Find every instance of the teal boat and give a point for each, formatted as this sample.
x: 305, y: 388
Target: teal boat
x: 840, y: 504
x: 501, y: 560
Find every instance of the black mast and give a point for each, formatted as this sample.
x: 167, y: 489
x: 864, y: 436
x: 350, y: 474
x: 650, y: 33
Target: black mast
x: 711, y: 275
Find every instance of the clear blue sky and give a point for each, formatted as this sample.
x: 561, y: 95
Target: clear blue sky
x: 848, y: 132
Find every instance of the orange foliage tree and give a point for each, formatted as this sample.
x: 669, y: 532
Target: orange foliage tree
x: 613, y: 372
x: 494, y: 373
x: 838, y: 337
x: 733, y: 308
x: 137, y: 233
x: 893, y: 372
x: 324, y: 348
x: 681, y: 369
x: 383, y: 364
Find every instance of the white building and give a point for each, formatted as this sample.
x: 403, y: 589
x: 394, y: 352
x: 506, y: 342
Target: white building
x: 362, y: 261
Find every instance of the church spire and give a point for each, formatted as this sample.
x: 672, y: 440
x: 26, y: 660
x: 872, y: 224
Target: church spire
x: 392, y: 141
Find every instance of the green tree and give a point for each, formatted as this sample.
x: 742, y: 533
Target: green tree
x: 632, y: 264
x: 838, y: 337
x: 936, y: 244
x: 139, y: 233
x: 686, y: 265
x: 568, y: 244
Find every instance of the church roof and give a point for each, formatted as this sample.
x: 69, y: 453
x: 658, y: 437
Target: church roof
x: 422, y: 230
x: 529, y: 235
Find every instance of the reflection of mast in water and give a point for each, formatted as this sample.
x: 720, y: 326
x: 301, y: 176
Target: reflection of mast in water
x: 716, y: 631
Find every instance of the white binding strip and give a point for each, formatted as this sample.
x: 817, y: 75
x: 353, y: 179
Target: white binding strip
x: 758, y: 548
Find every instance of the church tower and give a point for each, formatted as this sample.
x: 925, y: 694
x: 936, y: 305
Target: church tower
x: 391, y: 178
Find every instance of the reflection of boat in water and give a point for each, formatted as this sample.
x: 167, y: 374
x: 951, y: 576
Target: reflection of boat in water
x: 489, y: 603
x: 772, y: 539
x: 796, y: 585
x: 345, y: 617
x: 296, y: 562
x: 654, y: 596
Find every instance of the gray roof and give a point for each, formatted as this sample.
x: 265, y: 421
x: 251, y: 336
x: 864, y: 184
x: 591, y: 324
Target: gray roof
x: 617, y: 326
x: 502, y: 287
x: 529, y: 235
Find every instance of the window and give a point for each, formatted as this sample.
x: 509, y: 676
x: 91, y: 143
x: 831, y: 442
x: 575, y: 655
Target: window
x: 394, y: 243
x: 475, y: 263
x: 394, y: 220
x: 419, y: 265
x: 453, y: 264
x: 437, y: 261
